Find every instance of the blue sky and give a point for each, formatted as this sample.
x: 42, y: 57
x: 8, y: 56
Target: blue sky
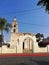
x: 34, y: 15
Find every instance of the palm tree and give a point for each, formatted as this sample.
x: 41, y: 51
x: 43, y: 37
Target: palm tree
x: 4, y: 26
x: 44, y: 3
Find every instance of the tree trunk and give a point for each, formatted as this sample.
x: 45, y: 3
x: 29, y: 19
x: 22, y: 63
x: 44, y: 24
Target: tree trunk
x: 2, y: 40
x: 2, y: 37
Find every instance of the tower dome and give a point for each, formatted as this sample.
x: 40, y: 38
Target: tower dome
x: 14, y: 19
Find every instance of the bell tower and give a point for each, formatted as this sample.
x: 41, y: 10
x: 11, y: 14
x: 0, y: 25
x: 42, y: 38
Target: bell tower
x: 14, y: 32
x: 14, y: 26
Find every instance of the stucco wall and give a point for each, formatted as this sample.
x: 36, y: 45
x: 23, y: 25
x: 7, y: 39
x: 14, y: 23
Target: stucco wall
x: 48, y: 48
x: 18, y: 47
x: 5, y: 49
x: 38, y: 49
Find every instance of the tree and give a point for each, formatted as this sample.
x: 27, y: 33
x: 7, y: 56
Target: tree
x: 4, y: 26
x: 39, y: 37
x: 44, y: 3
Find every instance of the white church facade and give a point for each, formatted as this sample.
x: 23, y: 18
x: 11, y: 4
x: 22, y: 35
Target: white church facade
x: 22, y: 42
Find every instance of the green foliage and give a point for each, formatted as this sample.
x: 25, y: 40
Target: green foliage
x: 39, y: 36
x: 4, y: 26
x: 41, y: 44
x: 44, y: 3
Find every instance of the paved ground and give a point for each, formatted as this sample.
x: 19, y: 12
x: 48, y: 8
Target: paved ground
x: 25, y: 60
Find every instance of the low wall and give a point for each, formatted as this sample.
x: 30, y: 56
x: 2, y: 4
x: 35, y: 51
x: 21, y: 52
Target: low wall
x: 0, y: 49
x: 38, y: 49
x: 5, y: 49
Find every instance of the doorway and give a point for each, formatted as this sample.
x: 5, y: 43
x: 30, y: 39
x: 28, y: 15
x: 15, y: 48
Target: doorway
x: 28, y: 45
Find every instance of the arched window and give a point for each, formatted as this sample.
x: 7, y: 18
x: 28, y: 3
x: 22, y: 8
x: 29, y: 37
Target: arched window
x: 14, y: 25
x: 14, y: 30
x: 23, y: 45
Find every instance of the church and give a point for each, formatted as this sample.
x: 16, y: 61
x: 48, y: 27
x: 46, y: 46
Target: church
x: 22, y: 42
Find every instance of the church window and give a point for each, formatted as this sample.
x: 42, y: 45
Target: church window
x: 14, y: 30
x: 14, y: 25
x: 8, y: 45
x: 23, y: 45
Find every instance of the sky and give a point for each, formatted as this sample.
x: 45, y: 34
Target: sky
x: 31, y: 18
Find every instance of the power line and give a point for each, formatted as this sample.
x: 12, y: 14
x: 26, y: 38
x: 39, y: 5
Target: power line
x: 16, y: 12
x: 34, y: 24
x: 31, y: 24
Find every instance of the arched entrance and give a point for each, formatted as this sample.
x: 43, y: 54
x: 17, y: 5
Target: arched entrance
x: 28, y: 42
x: 28, y: 45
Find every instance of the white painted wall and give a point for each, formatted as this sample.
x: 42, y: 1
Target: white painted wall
x: 5, y: 49
x: 38, y: 49
x: 18, y: 47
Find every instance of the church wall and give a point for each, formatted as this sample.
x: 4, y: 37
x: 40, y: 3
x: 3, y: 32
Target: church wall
x: 20, y: 47
x: 16, y: 46
x: 48, y: 48
x: 38, y: 49
x: 14, y: 38
x: 5, y: 49
x: 21, y: 40
x: 9, y: 50
x: 26, y: 43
